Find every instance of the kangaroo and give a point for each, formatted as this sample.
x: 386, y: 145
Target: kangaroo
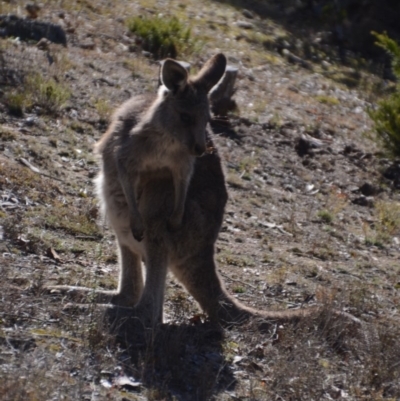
x: 165, y: 203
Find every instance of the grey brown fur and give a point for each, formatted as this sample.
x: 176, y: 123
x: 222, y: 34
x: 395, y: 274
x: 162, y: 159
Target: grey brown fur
x: 147, y: 153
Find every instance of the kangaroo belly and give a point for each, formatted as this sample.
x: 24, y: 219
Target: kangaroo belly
x: 156, y: 197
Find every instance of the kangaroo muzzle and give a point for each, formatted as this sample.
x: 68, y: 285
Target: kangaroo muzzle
x: 197, y: 144
x: 198, y: 149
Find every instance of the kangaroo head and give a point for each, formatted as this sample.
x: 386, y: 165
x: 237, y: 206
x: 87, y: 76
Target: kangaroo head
x: 183, y: 110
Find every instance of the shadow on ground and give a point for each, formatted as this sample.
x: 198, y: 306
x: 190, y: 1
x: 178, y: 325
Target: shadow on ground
x: 345, y: 25
x: 180, y: 361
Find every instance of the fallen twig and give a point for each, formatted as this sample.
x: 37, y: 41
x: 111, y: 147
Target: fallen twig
x: 37, y: 171
x: 239, y: 281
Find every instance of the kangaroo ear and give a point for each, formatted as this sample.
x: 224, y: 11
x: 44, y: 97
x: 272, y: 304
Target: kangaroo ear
x: 173, y: 75
x: 212, y: 72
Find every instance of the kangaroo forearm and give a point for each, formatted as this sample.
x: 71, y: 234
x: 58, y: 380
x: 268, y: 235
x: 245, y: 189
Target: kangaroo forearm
x: 180, y: 197
x: 127, y: 182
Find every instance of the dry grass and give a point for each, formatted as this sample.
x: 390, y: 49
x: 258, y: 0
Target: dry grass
x: 68, y: 354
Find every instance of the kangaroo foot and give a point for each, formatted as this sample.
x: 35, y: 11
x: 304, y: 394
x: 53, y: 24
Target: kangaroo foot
x: 121, y: 320
x: 126, y: 320
x: 87, y: 295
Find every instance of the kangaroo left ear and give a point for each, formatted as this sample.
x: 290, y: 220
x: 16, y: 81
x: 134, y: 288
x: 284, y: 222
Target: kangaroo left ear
x: 173, y: 75
x: 212, y: 72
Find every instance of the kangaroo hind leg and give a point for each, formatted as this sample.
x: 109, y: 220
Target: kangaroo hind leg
x: 149, y: 309
x: 129, y: 289
x: 199, y: 276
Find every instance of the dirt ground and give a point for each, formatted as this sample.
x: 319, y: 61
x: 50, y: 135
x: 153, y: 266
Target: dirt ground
x: 313, y: 217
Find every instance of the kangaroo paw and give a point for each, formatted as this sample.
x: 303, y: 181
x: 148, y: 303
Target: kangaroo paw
x: 73, y: 293
x: 137, y: 228
x: 174, y: 222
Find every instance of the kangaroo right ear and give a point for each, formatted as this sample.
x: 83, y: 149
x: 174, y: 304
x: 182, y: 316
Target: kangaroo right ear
x: 173, y: 75
x: 212, y: 72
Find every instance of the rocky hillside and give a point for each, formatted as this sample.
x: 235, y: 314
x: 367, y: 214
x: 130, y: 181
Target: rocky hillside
x: 313, y: 215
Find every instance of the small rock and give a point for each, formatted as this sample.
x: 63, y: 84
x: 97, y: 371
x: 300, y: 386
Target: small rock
x: 122, y: 47
x: 127, y: 383
x: 282, y: 44
x: 325, y: 65
x: 106, y: 383
x: 393, y: 174
x: 350, y: 148
x: 247, y: 14
x: 30, y: 121
x: 87, y: 44
x: 43, y: 44
x: 303, y: 147
x: 32, y: 10
x: 288, y: 187
x: 368, y: 189
x: 237, y: 359
x: 31, y: 29
x: 362, y: 200
x: 287, y: 132
x: 51, y: 253
x: 245, y: 24
x: 292, y: 58
x: 223, y: 106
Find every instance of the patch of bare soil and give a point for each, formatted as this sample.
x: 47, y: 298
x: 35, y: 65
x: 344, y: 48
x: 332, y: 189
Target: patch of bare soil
x: 313, y: 217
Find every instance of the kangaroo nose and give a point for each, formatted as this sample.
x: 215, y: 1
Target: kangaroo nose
x: 199, y: 149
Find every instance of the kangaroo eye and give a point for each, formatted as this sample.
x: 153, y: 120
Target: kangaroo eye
x: 186, y: 118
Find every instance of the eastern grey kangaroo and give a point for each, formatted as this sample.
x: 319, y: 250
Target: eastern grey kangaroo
x: 165, y: 204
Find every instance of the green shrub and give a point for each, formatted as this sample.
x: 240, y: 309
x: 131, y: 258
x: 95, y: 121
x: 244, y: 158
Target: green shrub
x: 15, y: 103
x: 47, y: 93
x: 7, y: 134
x: 390, y: 46
x: 387, y: 123
x: 329, y: 100
x: 386, y: 116
x: 163, y: 37
x: 325, y: 216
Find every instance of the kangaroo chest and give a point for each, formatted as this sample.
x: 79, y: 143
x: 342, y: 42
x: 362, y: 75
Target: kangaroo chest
x: 164, y: 154
x: 157, y: 159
